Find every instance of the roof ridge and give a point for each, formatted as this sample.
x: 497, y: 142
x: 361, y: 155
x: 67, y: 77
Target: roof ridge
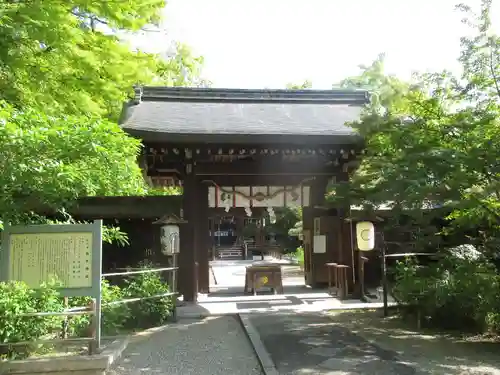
x: 335, y: 95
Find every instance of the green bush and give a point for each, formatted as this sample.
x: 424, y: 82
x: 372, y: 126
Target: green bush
x: 492, y: 322
x: 113, y: 316
x: 454, y: 293
x: 149, y: 312
x: 299, y: 254
x: 17, y: 299
x: 138, y: 314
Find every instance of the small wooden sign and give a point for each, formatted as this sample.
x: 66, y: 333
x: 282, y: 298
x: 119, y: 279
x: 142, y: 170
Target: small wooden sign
x: 317, y: 226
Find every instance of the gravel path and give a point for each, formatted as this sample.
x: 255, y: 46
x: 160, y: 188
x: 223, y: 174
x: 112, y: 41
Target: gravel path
x: 213, y: 346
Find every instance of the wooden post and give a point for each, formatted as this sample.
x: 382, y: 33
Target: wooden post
x: 64, y: 333
x: 203, y: 238
x: 239, y: 229
x: 361, y: 276
x: 188, y: 277
x: 93, y: 346
x: 212, y: 237
x: 307, y: 225
x: 316, y: 272
x: 385, y: 285
x: 240, y: 221
x: 174, y: 286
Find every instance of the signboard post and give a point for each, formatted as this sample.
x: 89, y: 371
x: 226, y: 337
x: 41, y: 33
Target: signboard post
x: 68, y: 253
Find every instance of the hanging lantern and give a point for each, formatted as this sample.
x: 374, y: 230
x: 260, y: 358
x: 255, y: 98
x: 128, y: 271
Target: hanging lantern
x: 365, y: 235
x: 272, y: 215
x: 169, y: 235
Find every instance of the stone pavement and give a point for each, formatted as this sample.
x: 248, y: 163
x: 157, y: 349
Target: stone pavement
x: 307, y: 343
x: 227, y: 295
x: 212, y: 346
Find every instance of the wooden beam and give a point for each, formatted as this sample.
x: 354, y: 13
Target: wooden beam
x: 270, y: 168
x: 201, y: 151
x: 236, y: 211
x: 150, y: 207
x: 254, y: 165
x: 247, y: 180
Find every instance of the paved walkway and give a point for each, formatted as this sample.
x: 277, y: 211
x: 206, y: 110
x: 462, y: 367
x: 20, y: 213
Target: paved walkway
x: 227, y: 295
x: 292, y: 343
x: 213, y: 346
x: 306, y: 343
x: 298, y: 340
x: 432, y: 352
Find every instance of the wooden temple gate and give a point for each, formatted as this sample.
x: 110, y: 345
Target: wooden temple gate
x: 238, y: 150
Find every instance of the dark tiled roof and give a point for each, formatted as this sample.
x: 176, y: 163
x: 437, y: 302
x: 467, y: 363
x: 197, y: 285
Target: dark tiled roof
x: 235, y: 115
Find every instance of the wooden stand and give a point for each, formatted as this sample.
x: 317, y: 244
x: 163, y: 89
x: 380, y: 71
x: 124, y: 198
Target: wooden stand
x: 263, y: 276
x: 343, y: 283
x: 361, y: 277
x: 337, y: 279
x: 332, y: 277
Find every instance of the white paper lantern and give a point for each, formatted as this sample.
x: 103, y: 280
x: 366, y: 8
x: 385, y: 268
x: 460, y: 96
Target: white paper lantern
x: 365, y: 234
x: 170, y: 239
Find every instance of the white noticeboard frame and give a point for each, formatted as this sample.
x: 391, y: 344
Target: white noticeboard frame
x: 72, y: 253
x: 319, y: 244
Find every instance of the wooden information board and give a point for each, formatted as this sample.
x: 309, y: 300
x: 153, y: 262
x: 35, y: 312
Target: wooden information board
x: 70, y: 254
x: 36, y: 258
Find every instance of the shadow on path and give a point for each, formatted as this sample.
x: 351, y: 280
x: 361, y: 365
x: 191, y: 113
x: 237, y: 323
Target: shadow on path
x: 310, y: 344
x: 431, y: 352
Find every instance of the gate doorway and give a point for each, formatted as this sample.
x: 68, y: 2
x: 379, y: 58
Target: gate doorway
x: 240, y: 151
x: 228, y: 296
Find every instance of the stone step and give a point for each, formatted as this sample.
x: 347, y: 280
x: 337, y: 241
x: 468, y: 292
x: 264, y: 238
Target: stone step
x: 230, y: 252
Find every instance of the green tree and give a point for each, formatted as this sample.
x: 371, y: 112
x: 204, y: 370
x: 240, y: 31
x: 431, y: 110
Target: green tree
x: 64, y: 67
x: 67, y: 57
x: 294, y: 86
x: 286, y: 219
x: 50, y: 161
x: 181, y: 69
x: 435, y: 140
x: 387, y: 90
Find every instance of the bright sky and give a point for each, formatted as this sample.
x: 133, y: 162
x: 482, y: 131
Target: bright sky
x: 269, y: 43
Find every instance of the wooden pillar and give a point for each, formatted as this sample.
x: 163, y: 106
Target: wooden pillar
x: 240, y: 225
x: 348, y: 255
x: 203, y: 240
x: 307, y: 228
x: 346, y: 248
x: 188, y: 275
x: 314, y: 269
x: 259, y: 234
x: 211, y: 228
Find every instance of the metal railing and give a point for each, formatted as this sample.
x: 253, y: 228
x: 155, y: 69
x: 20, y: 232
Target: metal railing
x: 91, y: 339
x: 172, y: 283
x: 274, y: 250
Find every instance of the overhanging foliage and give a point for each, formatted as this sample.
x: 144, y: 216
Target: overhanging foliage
x: 434, y: 141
